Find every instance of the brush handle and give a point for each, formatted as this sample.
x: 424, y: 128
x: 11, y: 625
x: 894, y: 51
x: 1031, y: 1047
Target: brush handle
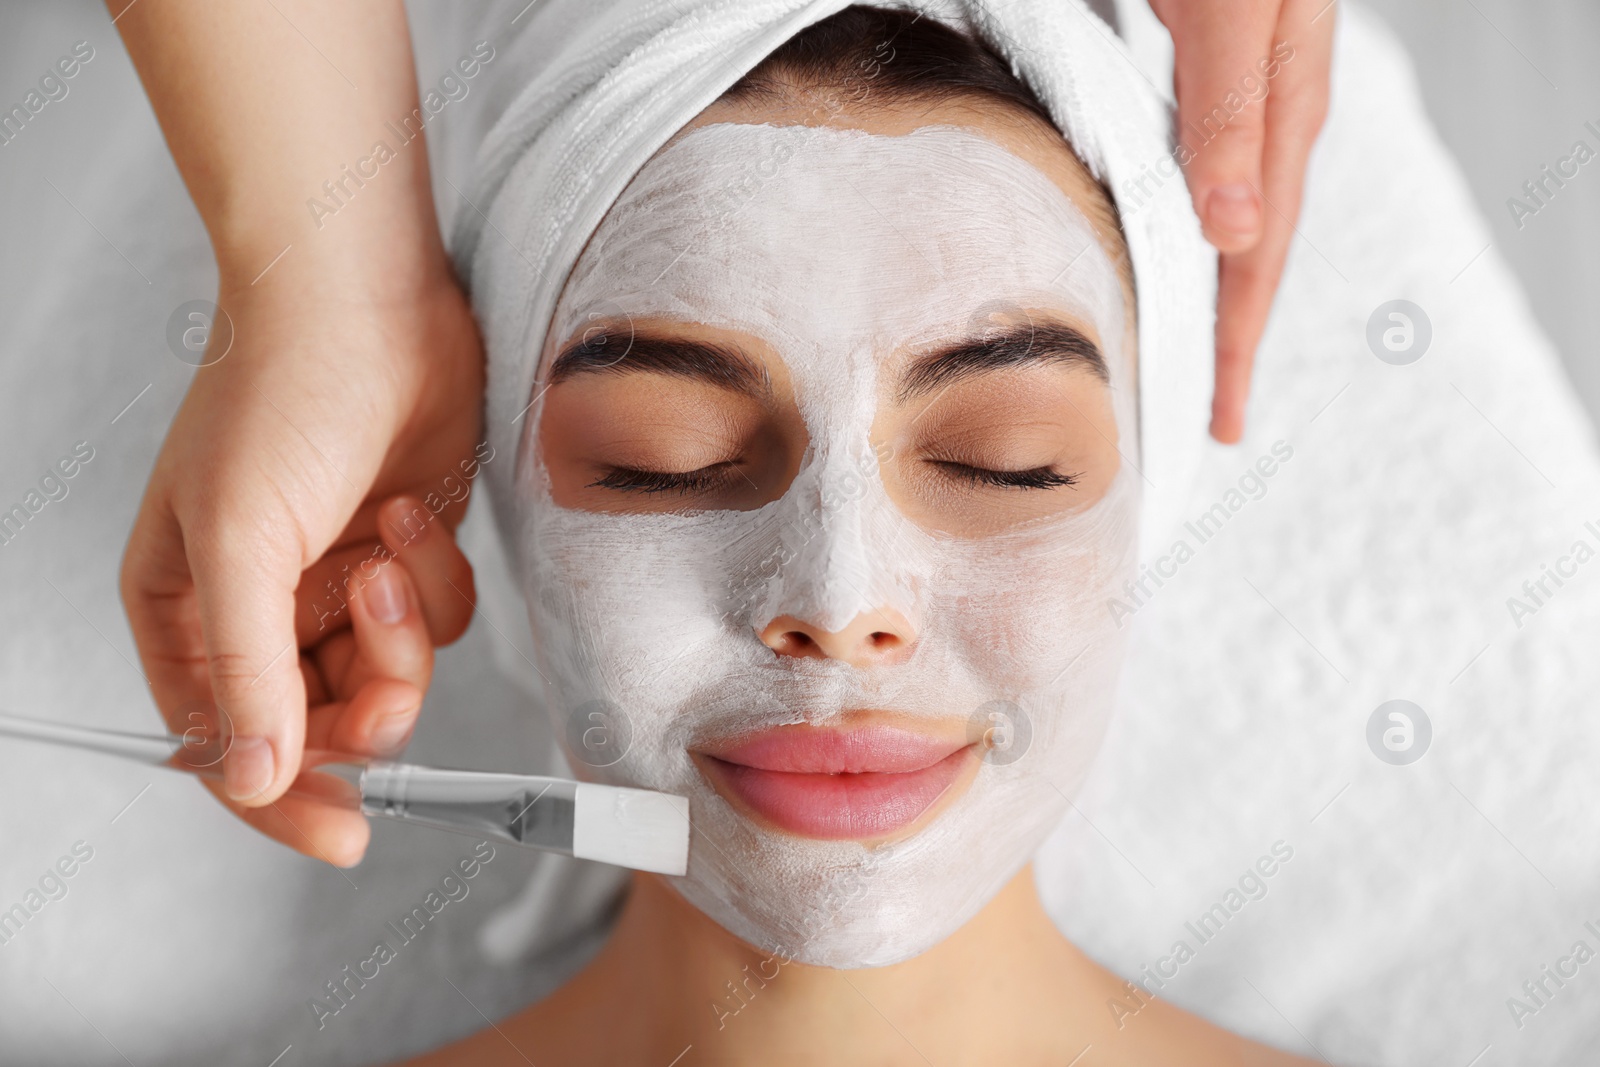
x: 328, y: 777
x: 525, y: 809
x: 143, y: 748
x: 630, y: 827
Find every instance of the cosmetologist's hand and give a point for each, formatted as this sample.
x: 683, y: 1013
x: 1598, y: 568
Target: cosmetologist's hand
x: 269, y: 527
x: 354, y: 376
x: 1252, y: 79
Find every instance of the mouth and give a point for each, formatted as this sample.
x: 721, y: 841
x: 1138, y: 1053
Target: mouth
x: 867, y: 781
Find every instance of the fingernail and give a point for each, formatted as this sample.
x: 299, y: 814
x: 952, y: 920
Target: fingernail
x: 247, y: 769
x: 384, y: 597
x: 1234, y: 209
x: 392, y: 732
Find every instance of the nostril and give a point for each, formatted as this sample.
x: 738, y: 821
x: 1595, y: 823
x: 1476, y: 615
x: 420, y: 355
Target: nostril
x: 795, y: 643
x: 794, y: 638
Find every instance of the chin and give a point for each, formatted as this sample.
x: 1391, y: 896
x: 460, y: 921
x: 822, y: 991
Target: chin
x: 851, y: 904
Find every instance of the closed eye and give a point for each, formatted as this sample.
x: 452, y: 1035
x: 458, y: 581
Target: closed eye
x: 630, y: 480
x: 1035, y: 478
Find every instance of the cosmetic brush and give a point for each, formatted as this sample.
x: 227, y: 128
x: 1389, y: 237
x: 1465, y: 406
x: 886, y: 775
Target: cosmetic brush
x: 637, y: 828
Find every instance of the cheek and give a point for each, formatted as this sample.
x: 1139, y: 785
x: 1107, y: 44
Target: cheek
x: 622, y: 595
x: 1036, y: 635
x: 635, y: 612
x: 606, y: 645
x: 1022, y: 618
x: 1029, y: 609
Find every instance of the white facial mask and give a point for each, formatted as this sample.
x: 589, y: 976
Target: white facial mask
x: 837, y: 247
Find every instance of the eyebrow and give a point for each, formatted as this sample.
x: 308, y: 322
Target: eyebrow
x: 724, y: 366
x: 624, y: 351
x: 1023, y: 345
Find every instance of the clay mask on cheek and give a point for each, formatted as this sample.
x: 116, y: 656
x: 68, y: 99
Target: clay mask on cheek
x: 837, y: 248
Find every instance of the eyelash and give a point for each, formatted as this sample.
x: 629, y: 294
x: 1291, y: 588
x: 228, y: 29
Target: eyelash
x: 628, y: 480
x: 1036, y: 478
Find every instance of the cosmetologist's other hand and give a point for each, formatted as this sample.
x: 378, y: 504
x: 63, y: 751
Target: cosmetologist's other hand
x: 1252, y: 80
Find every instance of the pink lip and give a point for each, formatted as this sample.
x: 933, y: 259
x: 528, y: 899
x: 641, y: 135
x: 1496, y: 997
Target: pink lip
x: 859, y: 783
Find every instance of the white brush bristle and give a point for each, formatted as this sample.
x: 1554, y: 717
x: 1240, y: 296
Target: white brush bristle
x: 635, y: 828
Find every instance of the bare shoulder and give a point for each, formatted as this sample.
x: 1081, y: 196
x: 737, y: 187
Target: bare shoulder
x: 1159, y: 1034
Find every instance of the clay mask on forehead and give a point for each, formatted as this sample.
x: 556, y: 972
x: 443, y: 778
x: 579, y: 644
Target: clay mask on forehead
x: 841, y: 250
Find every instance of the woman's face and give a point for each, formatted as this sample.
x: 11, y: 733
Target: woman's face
x: 826, y: 484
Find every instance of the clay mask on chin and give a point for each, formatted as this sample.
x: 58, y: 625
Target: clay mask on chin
x: 836, y: 247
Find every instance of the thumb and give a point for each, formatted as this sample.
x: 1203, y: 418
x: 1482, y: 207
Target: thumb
x: 245, y: 569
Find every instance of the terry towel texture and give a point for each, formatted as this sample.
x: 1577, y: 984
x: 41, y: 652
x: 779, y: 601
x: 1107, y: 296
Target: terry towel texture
x: 1376, y: 565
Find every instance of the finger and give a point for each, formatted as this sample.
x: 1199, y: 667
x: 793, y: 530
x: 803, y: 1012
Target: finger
x: 331, y: 661
x: 391, y: 635
x: 378, y: 721
x: 158, y: 595
x: 322, y: 599
x: 382, y: 666
x: 425, y: 543
x: 244, y: 590
x: 317, y: 692
x: 438, y: 568
x: 1221, y: 65
x: 210, y: 599
x: 1249, y: 281
x: 1245, y: 287
x: 326, y: 832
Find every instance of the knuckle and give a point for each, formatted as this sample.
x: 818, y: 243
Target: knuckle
x: 234, y: 674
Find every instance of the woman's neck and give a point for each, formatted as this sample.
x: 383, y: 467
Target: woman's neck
x: 881, y: 1014
x: 670, y: 978
x: 674, y: 989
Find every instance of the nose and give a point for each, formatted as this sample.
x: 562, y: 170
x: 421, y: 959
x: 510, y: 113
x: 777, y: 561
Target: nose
x: 876, y: 638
